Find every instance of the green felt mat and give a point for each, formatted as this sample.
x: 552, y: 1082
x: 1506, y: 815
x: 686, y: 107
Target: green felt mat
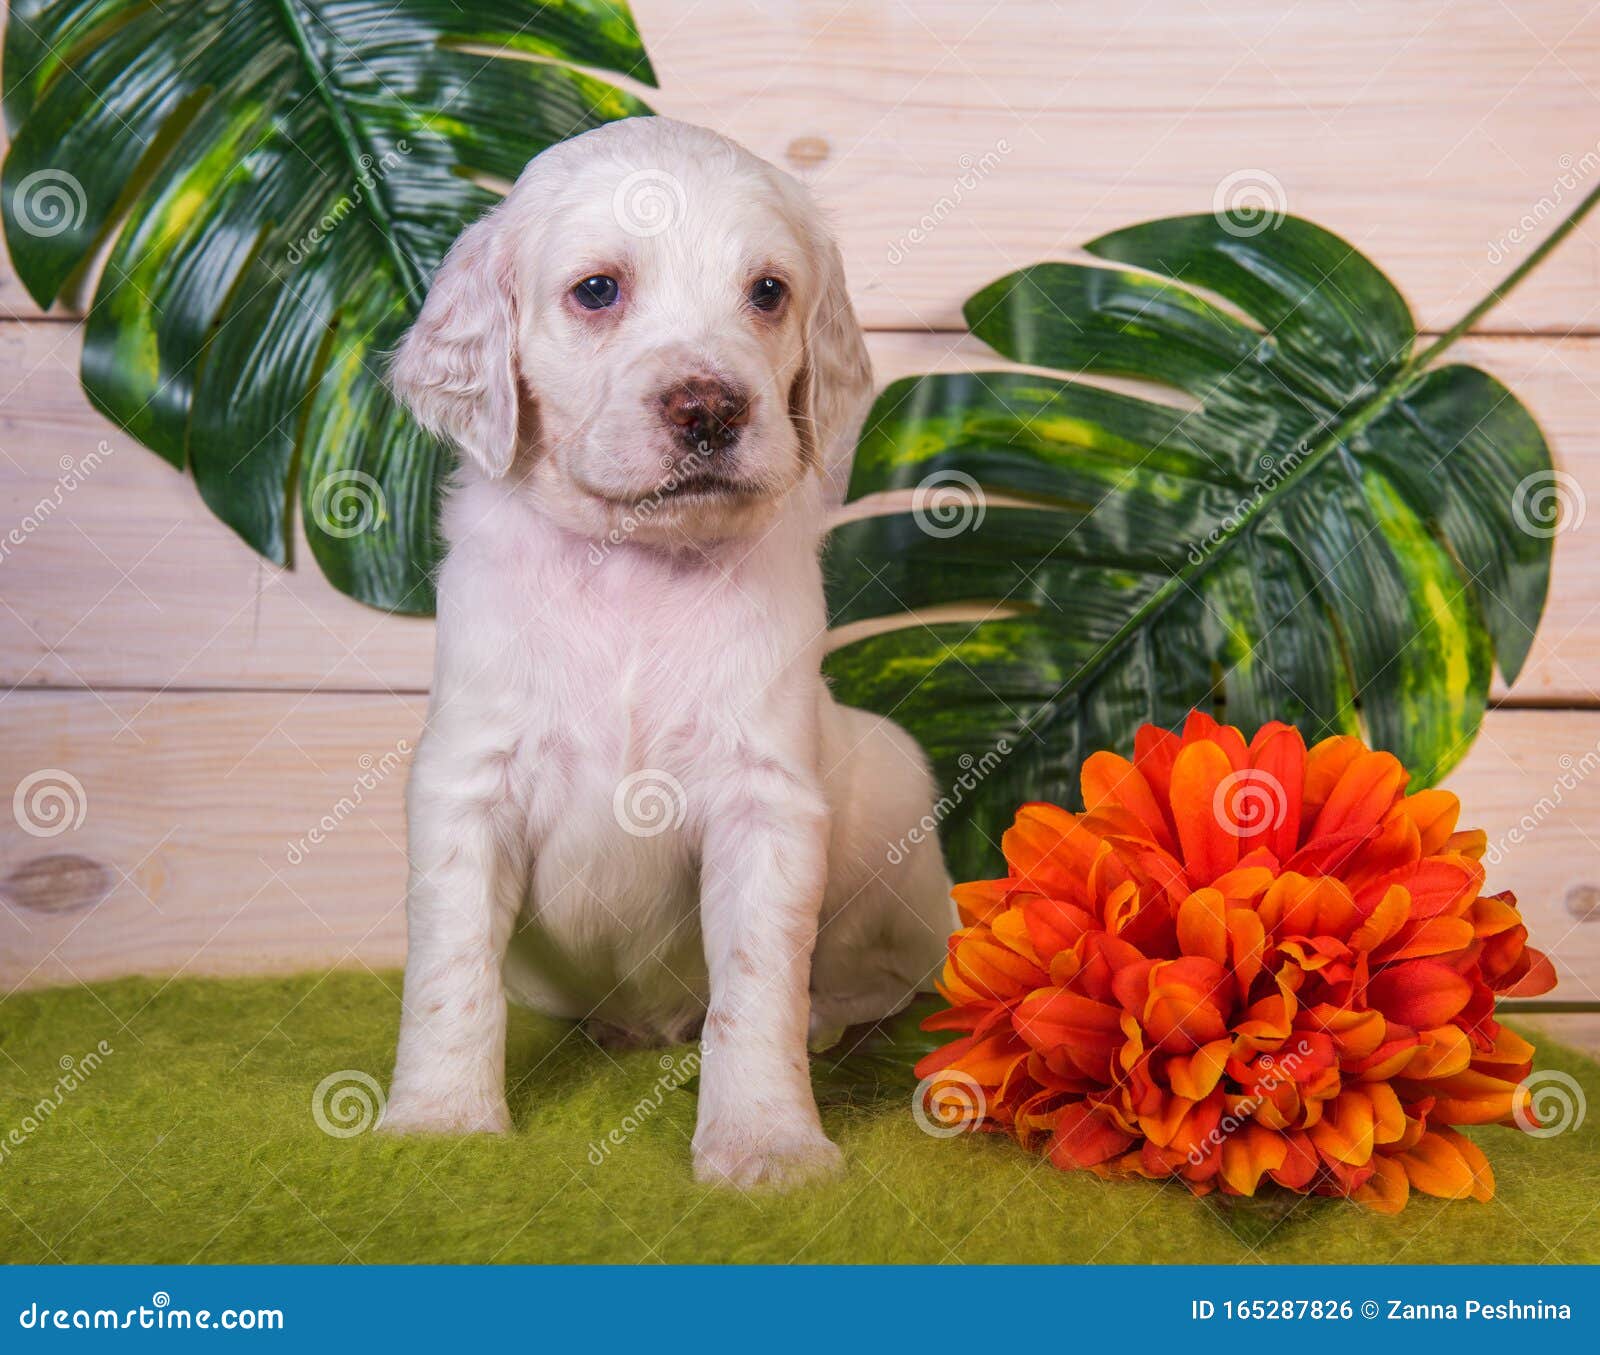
x: 194, y: 1139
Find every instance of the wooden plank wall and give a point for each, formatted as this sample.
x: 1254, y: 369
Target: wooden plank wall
x: 229, y: 739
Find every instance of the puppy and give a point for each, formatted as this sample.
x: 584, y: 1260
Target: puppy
x: 635, y: 801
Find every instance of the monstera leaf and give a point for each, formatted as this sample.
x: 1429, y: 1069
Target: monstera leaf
x: 276, y: 180
x: 1310, y: 520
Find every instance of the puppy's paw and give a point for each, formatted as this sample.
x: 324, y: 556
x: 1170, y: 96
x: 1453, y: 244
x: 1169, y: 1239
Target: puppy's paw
x: 416, y: 1112
x: 765, y: 1157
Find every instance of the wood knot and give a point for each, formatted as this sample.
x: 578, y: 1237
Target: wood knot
x: 1583, y: 903
x: 807, y: 152
x: 59, y: 883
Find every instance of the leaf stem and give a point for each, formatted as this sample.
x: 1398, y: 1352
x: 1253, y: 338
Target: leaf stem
x: 411, y: 275
x: 1504, y: 288
x: 1351, y: 422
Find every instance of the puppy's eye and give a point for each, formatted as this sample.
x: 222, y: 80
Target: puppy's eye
x: 767, y: 294
x: 596, y: 293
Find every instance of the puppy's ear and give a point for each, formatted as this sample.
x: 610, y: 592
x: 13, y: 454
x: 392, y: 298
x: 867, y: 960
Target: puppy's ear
x: 456, y: 370
x: 831, y: 390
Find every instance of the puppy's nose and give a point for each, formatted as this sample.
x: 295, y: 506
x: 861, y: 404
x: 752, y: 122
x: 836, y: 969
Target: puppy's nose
x: 704, y: 412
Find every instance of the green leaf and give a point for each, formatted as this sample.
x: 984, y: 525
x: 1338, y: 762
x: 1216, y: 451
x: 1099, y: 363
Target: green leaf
x: 1303, y: 521
x: 276, y: 181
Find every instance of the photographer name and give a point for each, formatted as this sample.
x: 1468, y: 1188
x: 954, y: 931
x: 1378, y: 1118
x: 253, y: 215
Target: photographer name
x: 1506, y: 1310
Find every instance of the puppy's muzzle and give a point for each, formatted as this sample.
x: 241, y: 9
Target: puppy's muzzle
x: 705, y: 415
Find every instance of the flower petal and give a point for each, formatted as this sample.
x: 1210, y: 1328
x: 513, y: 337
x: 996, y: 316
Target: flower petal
x: 1054, y: 925
x: 1196, y: 1075
x: 1474, y: 1097
x: 1437, y: 1166
x: 980, y: 900
x: 1418, y: 993
x: 1537, y: 975
x: 1200, y: 727
x: 1109, y: 779
x: 1387, y: 1189
x: 1154, y: 751
x: 1388, y: 915
x: 1346, y: 1131
x: 1247, y: 943
x: 1210, y: 844
x: 1279, y: 752
x: 1443, y: 1052
x: 1326, y: 763
x: 1432, y: 936
x: 1300, y: 1162
x: 1050, y: 851
x: 1184, y: 1008
x: 1363, y: 795
x: 1440, y: 886
x: 1248, y: 1154
x: 1472, y: 1155
x: 1084, y: 1137
x: 991, y: 970
x: 1203, y: 925
x: 1089, y: 1032
x: 1434, y: 812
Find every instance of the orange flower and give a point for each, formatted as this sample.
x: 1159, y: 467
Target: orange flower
x: 1243, y: 962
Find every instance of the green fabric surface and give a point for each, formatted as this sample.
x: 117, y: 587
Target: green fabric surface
x: 194, y: 1140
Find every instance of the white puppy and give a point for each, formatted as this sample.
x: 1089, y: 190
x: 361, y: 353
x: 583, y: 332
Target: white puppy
x: 636, y: 802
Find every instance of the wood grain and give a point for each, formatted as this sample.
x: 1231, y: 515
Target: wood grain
x: 127, y: 580
x: 113, y: 572
x: 953, y: 141
x: 222, y: 707
x: 251, y: 832
x: 204, y: 810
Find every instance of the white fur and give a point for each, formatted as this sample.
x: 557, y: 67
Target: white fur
x: 636, y: 802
